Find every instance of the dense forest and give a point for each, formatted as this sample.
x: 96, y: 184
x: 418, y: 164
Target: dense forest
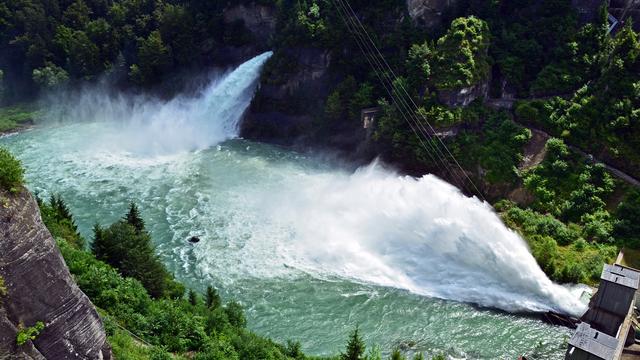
x: 576, y: 81
x: 573, y: 80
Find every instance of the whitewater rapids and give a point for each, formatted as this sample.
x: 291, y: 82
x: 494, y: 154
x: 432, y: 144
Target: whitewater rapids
x: 269, y: 218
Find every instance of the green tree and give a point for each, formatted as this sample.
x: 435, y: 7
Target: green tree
x: 628, y: 213
x: 133, y: 217
x: 77, y: 15
x: 81, y: 54
x: 235, y: 314
x: 462, y: 54
x: 154, y: 58
x: 131, y: 252
x: 212, y: 299
x: 193, y: 298
x: 355, y: 347
x: 397, y: 355
x: 50, y: 76
x: 419, y: 65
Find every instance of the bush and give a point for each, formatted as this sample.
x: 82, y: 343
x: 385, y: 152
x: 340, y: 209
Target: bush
x: 28, y: 333
x: 627, y: 229
x: 11, y: 172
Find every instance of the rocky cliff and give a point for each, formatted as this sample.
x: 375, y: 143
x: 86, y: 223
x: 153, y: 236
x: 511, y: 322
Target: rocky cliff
x: 258, y: 20
x: 283, y: 108
x: 429, y: 13
x: 40, y: 288
x: 466, y: 95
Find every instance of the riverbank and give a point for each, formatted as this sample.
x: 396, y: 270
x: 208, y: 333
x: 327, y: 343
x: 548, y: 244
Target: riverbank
x: 18, y: 117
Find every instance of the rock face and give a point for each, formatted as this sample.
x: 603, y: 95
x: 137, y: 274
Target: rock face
x: 40, y: 288
x: 8, y: 347
x: 429, y: 13
x: 260, y: 20
x: 587, y: 9
x: 465, y: 95
x: 272, y: 115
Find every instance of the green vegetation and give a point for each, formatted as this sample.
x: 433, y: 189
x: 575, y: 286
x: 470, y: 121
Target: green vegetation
x: 561, y: 250
x: 126, y: 246
x: 3, y: 289
x: 28, y: 333
x: 11, y: 172
x: 49, y: 43
x: 58, y: 219
x: 141, y: 326
x: 13, y: 117
x: 461, y: 55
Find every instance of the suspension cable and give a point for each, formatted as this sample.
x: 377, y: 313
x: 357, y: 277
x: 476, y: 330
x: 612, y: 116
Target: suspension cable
x: 379, y: 65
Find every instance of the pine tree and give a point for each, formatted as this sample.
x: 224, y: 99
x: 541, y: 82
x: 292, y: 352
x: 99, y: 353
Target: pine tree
x: 355, y: 347
x: 128, y: 248
x: 193, y: 297
x: 98, y: 245
x: 397, y: 355
x: 212, y: 298
x: 133, y: 217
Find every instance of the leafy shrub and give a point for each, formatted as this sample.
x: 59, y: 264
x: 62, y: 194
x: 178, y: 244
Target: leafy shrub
x: 11, y: 172
x: 627, y: 228
x: 28, y: 333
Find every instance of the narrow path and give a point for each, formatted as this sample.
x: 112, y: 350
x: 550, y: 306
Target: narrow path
x: 507, y: 104
x: 591, y: 159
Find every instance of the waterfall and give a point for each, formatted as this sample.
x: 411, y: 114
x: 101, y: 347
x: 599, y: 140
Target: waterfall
x: 147, y: 126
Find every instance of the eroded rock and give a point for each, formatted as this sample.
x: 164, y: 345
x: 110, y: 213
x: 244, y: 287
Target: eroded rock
x: 40, y: 288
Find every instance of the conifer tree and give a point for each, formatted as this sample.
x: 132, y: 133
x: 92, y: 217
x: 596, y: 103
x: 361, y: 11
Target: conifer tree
x: 212, y: 298
x: 193, y: 297
x: 133, y: 217
x: 355, y: 347
x: 98, y: 244
x: 397, y: 355
x: 126, y: 246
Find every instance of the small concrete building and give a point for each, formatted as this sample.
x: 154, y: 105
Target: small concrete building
x: 591, y: 344
x: 369, y: 117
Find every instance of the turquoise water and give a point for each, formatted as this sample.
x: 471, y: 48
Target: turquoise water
x: 311, y: 248
x: 225, y: 195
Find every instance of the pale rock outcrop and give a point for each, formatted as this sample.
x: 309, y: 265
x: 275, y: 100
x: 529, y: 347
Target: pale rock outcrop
x: 464, y: 96
x: 40, y: 288
x: 429, y: 13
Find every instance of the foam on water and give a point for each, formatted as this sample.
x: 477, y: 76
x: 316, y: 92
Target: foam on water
x: 269, y: 216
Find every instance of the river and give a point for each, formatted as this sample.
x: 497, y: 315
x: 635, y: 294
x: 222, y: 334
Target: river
x: 309, y: 246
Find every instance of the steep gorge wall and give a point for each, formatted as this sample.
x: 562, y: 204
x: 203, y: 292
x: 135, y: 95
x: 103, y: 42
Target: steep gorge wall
x: 40, y: 288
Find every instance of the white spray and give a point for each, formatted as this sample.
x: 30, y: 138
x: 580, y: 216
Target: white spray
x: 372, y: 226
x: 421, y: 235
x: 146, y: 126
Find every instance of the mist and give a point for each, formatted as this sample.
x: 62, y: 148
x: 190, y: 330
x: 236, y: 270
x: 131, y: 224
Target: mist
x: 147, y: 126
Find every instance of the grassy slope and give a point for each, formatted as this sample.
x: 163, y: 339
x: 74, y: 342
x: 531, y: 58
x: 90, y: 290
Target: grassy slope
x: 17, y: 116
